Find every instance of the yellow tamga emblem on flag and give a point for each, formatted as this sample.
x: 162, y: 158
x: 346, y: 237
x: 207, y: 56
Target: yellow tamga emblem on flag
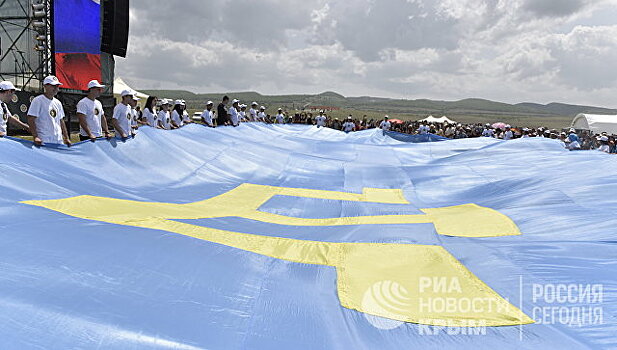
x: 360, y: 266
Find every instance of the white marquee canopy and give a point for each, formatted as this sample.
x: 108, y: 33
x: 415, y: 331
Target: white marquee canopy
x: 441, y: 120
x: 596, y: 123
x: 120, y: 85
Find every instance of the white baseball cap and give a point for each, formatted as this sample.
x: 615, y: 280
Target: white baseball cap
x: 178, y: 102
x: 604, y: 138
x: 254, y: 104
x: 127, y: 93
x: 235, y: 101
x: 135, y: 98
x: 209, y: 103
x: 262, y: 107
x: 95, y: 84
x: 165, y: 102
x: 51, y: 80
x: 7, y: 85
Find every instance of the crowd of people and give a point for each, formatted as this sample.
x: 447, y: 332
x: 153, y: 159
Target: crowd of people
x: 46, y: 120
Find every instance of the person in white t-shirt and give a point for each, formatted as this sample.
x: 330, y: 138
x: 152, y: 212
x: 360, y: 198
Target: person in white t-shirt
x: 385, y: 124
x: 242, y: 114
x: 423, y: 129
x: 7, y: 91
x: 253, y: 112
x: 488, y: 131
x: 92, y: 121
x: 280, y: 117
x: 320, y: 120
x: 604, y: 147
x: 186, y: 118
x: 123, y: 115
x: 135, y: 114
x: 149, y: 112
x: 164, y: 118
x: 233, y: 113
x: 207, y: 114
x: 349, y: 125
x: 176, y: 115
x: 46, y: 115
x: 508, y: 135
x: 261, y: 116
x: 450, y: 130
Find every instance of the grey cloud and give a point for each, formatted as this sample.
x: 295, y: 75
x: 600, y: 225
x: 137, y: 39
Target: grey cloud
x: 587, y: 57
x: 582, y: 59
x: 366, y: 26
x: 395, y: 48
x: 252, y: 24
x: 187, y: 65
x: 555, y: 8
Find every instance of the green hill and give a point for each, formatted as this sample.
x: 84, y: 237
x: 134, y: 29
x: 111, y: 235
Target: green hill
x: 566, y: 109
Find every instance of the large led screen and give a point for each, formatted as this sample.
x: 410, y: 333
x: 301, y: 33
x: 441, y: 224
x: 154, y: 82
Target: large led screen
x: 77, y: 42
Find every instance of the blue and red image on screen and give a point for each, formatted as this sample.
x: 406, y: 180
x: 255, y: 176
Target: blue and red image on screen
x: 77, y: 42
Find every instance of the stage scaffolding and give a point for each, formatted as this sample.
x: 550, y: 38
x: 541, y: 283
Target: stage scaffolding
x: 26, y: 42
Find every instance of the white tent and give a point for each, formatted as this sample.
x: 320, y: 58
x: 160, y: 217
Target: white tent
x: 596, y: 123
x: 120, y: 85
x: 441, y: 120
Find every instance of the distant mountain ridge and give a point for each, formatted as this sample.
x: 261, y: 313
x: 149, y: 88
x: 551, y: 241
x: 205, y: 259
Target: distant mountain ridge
x: 420, y: 106
x: 567, y: 109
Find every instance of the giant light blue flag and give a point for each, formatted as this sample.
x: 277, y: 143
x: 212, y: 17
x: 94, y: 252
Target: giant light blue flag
x: 293, y: 237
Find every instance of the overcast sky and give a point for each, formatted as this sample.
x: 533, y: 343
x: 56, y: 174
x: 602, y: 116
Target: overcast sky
x: 504, y: 50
